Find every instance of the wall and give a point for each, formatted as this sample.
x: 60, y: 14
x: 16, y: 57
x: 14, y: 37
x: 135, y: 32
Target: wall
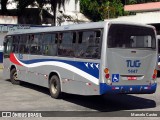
x: 71, y: 9
x: 8, y: 19
x: 144, y: 18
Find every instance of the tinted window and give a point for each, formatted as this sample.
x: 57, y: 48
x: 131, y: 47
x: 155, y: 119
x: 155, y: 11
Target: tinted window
x: 15, y: 45
x: 128, y: 36
x: 8, y: 45
x: 159, y: 46
x: 35, y: 44
x: 23, y: 44
x: 67, y: 44
x: 49, y: 44
x: 89, y: 44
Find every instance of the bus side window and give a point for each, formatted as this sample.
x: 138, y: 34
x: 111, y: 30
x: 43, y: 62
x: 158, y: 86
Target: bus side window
x: 53, y: 45
x: 15, y: 44
x: 158, y: 46
x: 98, y: 37
x: 81, y: 45
x: 80, y: 37
x: 49, y: 46
x: 56, y: 39
x: 74, y: 37
x: 8, y: 45
x: 27, y: 44
x: 66, y: 47
x: 23, y: 45
x: 31, y: 39
x: 35, y: 44
x: 79, y: 50
x: 97, y: 48
x: 88, y: 44
x: 60, y: 38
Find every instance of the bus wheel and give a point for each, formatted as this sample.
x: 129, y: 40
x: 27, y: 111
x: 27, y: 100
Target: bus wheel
x: 55, y: 87
x: 13, y: 77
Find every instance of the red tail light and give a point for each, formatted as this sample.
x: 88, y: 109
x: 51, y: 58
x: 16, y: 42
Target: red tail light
x: 107, y: 76
x: 106, y: 71
x: 154, y: 76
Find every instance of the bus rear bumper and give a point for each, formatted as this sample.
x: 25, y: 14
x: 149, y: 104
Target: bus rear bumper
x: 127, y: 89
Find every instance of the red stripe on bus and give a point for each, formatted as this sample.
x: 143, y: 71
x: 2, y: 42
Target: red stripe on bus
x: 14, y: 60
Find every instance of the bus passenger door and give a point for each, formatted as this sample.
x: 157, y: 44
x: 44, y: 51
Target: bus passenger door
x: 6, y: 61
x: 22, y: 56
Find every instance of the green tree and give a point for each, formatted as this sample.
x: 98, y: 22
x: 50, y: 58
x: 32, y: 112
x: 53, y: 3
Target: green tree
x: 98, y: 10
x: 22, y: 4
x: 118, y: 8
x: 40, y: 4
x: 132, y: 2
x: 3, y: 6
x: 90, y: 9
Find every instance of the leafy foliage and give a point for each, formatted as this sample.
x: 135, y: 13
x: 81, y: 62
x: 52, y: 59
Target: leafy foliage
x: 98, y: 10
x: 4, y: 6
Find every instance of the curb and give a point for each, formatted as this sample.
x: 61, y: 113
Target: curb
x: 1, y: 66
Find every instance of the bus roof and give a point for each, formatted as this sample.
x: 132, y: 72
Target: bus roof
x: 91, y: 25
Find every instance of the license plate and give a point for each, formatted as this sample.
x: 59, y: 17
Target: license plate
x: 132, y: 78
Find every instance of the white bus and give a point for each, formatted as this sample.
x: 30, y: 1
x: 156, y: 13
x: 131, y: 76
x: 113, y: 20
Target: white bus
x: 86, y: 59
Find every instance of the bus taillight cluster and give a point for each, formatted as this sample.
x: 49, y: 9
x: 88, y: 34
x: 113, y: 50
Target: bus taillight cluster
x: 107, y: 76
x: 154, y: 76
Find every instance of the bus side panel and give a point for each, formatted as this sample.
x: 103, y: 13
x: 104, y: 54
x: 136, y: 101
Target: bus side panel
x: 6, y: 68
x: 86, y: 78
x: 40, y: 75
x: 21, y: 70
x: 36, y: 70
x: 80, y: 86
x: 76, y: 77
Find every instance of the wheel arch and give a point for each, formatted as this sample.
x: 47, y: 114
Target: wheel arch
x: 57, y: 74
x: 14, y: 80
x: 12, y: 67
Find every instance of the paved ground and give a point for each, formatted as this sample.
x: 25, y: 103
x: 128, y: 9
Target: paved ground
x: 28, y: 97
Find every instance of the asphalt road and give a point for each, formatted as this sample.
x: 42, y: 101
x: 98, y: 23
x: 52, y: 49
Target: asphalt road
x: 28, y: 97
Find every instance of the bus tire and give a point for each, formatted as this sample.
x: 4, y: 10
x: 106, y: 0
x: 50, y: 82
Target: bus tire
x: 55, y: 87
x: 13, y: 77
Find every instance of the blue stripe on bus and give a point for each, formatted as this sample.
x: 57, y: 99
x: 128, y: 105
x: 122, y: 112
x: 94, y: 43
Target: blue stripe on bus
x: 88, y: 67
x: 104, y: 89
x: 1, y: 57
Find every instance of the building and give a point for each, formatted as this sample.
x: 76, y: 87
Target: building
x: 68, y: 13
x: 145, y: 12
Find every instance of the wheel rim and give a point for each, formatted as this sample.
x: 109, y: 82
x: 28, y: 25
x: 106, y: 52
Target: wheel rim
x: 15, y: 76
x: 54, y: 87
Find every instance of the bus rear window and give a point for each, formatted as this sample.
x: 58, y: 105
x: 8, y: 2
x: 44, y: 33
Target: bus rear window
x: 158, y: 46
x: 129, y: 36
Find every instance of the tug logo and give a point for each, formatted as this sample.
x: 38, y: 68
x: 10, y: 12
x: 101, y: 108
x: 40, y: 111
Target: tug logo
x: 133, y: 63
